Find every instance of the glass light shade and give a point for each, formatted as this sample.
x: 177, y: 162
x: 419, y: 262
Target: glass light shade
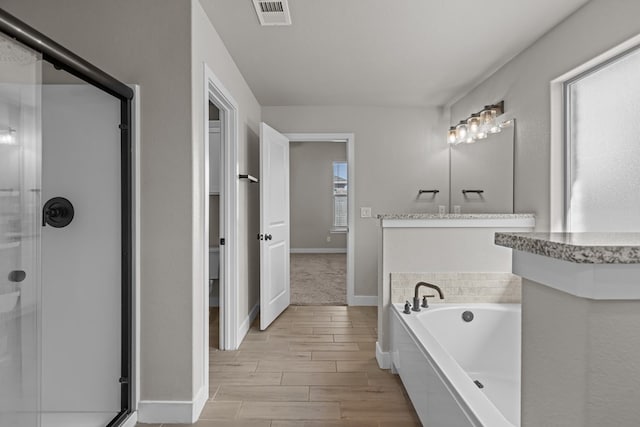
x: 451, y: 135
x: 473, y: 123
x: 461, y: 132
x: 481, y: 135
x: 470, y: 139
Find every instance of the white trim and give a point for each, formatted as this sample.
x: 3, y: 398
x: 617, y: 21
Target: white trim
x: 592, y: 281
x: 131, y: 421
x: 318, y: 250
x: 383, y: 357
x: 246, y: 324
x: 173, y: 411
x: 365, y: 300
x: 349, y: 138
x: 135, y: 339
x: 460, y: 223
x: 557, y: 160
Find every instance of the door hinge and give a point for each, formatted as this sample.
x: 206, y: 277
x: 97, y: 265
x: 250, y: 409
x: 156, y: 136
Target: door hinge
x: 122, y: 126
x: 123, y: 380
x: 222, y: 241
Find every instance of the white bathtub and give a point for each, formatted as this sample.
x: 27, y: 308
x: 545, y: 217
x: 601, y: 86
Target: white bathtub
x: 439, y: 356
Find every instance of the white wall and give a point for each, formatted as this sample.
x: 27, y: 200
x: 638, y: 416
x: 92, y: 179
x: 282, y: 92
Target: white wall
x: 523, y: 83
x: 311, y: 194
x: 397, y: 152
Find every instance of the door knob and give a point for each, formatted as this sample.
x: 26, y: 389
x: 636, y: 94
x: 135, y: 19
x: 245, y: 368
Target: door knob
x: 17, y: 276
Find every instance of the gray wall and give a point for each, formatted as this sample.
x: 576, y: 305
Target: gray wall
x: 580, y: 366
x: 523, y: 83
x: 311, y: 194
x: 149, y: 42
x: 146, y: 42
x: 397, y: 152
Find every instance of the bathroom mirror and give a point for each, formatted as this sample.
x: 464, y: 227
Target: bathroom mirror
x: 482, y: 174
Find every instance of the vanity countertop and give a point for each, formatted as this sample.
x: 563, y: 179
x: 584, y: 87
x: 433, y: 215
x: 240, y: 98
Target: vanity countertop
x: 580, y: 248
x: 455, y: 216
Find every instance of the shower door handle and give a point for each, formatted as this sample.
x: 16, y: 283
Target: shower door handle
x: 17, y: 276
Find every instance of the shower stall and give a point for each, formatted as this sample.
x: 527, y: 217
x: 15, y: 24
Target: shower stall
x: 66, y: 245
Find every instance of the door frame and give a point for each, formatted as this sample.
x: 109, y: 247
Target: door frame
x: 349, y: 139
x: 215, y: 92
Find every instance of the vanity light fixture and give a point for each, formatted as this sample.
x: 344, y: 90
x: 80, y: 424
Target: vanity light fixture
x: 491, y: 119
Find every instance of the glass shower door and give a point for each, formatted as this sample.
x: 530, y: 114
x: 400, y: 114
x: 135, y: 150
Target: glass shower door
x: 20, y: 78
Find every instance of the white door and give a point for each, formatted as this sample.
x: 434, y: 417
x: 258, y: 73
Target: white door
x: 274, y: 224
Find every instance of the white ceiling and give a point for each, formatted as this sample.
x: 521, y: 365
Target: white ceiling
x: 380, y: 53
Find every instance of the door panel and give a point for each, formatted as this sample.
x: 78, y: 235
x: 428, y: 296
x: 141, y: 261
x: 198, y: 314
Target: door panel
x: 274, y: 225
x: 81, y: 263
x: 20, y: 71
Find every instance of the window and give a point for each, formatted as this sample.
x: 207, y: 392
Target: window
x: 602, y: 106
x: 340, y: 181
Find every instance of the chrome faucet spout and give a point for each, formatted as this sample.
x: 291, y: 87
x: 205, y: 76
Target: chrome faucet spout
x: 416, y: 296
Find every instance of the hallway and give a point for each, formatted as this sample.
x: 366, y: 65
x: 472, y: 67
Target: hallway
x: 314, y: 367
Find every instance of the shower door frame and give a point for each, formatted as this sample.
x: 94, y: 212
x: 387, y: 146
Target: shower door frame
x: 66, y: 60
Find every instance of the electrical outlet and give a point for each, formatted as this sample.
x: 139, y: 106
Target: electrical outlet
x: 442, y: 210
x: 456, y: 209
x: 328, y: 239
x: 365, y: 212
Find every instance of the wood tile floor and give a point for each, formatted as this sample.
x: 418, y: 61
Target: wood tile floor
x: 314, y: 366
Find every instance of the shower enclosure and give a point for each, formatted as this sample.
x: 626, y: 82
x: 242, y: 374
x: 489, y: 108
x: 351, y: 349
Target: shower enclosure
x: 65, y: 237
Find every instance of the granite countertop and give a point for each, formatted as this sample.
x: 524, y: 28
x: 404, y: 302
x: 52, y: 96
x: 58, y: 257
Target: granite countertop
x: 582, y: 248
x: 455, y: 216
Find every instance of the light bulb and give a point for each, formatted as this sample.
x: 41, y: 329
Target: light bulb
x: 473, y: 123
x: 461, y: 132
x: 451, y: 135
x: 481, y: 135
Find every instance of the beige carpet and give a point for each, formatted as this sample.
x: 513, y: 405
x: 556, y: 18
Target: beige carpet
x: 318, y: 279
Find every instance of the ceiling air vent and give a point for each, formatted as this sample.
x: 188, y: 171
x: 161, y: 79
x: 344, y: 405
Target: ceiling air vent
x: 272, y: 12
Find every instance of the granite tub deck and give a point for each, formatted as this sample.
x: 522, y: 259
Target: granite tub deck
x: 582, y: 248
x: 580, y: 319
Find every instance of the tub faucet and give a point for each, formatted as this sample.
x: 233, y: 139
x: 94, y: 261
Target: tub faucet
x: 416, y: 297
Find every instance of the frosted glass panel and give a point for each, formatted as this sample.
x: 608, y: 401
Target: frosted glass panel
x: 20, y: 151
x: 604, y: 148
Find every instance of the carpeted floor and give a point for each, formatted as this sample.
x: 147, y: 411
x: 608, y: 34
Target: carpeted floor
x: 318, y: 279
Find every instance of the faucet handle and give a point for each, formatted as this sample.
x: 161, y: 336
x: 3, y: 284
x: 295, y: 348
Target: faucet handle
x: 425, y: 304
x: 407, y: 308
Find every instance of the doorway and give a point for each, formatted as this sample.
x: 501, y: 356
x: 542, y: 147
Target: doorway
x: 319, y: 214
x: 331, y: 258
x: 215, y: 216
x: 220, y: 185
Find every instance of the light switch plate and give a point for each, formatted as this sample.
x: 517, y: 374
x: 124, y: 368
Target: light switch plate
x: 365, y: 212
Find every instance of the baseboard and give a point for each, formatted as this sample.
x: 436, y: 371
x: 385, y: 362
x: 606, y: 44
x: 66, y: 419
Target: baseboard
x: 383, y: 357
x: 246, y: 323
x: 199, y: 402
x: 318, y: 250
x: 365, y: 300
x: 172, y: 411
